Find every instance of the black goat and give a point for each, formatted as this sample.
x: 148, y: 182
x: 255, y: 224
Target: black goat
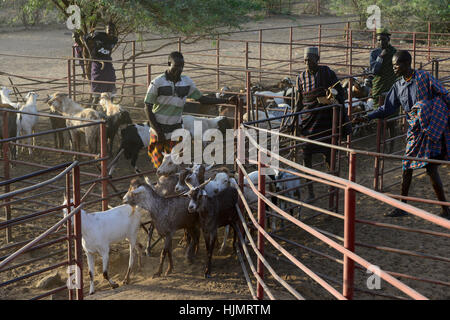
x: 133, y: 138
x: 214, y: 212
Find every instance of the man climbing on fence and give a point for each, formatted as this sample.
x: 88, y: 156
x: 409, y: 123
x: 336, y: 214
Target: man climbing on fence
x: 426, y: 103
x: 383, y: 74
x: 164, y: 103
x: 311, y: 92
x: 101, y: 43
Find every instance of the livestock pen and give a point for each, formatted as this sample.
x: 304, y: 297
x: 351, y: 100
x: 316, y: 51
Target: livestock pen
x: 238, y: 60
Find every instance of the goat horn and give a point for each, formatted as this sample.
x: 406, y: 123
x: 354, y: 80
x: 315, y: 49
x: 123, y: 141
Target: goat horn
x: 209, y: 167
x: 204, y: 183
x: 191, y: 187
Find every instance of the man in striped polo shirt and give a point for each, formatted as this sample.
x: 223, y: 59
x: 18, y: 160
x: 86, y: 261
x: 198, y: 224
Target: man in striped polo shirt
x: 311, y: 88
x: 164, y: 104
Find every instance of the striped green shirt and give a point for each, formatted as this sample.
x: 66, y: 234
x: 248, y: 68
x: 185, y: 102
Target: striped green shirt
x: 168, y: 99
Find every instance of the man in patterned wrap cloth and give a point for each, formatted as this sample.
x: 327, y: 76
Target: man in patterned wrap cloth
x: 164, y: 103
x: 426, y: 103
x: 312, y: 84
x: 383, y: 75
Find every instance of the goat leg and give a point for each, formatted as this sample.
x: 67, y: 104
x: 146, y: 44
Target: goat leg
x: 105, y: 257
x: 130, y: 262
x: 149, y: 239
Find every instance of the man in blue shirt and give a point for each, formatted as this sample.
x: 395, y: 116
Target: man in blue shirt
x: 426, y: 103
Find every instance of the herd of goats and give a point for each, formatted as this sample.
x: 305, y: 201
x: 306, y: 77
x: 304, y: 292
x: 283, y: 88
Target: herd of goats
x: 191, y: 198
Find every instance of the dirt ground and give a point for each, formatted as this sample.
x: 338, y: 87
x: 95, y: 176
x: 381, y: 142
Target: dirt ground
x: 228, y: 282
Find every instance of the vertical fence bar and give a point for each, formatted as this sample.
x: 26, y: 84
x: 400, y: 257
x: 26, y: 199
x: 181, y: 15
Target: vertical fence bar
x: 349, y: 232
x: 248, y: 96
x: 320, y: 38
x: 74, y: 86
x: 77, y: 227
x: 382, y: 149
x: 374, y: 39
x: 69, y: 76
x: 133, y: 52
x: 437, y: 69
x: 318, y: 7
x: 414, y: 49
x: 179, y: 44
x: 291, y: 36
x: 149, y: 75
x: 260, y: 40
x: 351, y: 53
x: 218, y: 62
x: 349, y: 111
x: 69, y: 231
x: 376, y: 173
x: 246, y: 55
x: 429, y: 41
x: 104, y: 165
x: 5, y: 115
x: 333, y: 154
x: 346, y: 42
x: 261, y: 222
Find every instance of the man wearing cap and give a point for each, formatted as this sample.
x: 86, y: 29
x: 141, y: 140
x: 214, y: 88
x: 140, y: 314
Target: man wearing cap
x: 164, y: 104
x: 311, y: 86
x: 383, y: 74
x: 426, y: 103
x: 381, y: 66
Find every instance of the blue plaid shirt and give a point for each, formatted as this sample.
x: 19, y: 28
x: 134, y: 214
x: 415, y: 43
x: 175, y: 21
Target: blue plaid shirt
x: 426, y: 103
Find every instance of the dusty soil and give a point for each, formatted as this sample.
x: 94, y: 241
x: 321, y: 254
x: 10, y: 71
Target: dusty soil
x: 228, y: 282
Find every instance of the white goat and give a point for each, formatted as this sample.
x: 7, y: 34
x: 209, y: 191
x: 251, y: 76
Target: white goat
x: 285, y: 185
x: 27, y: 123
x: 62, y: 103
x: 100, y: 229
x: 4, y: 98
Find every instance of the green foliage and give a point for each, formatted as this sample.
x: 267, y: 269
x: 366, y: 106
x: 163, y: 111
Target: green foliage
x: 399, y: 14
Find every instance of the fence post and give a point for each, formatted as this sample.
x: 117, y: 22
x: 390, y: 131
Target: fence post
x: 246, y: 55
x: 437, y: 69
x: 320, y: 38
x: 5, y: 128
x: 333, y: 154
x: 414, y: 49
x: 349, y: 111
x: 351, y: 52
x: 69, y: 230
x: 260, y: 54
x: 179, y: 44
x: 69, y: 76
x: 74, y: 75
x: 149, y: 75
x: 376, y: 174
x: 133, y: 50
x: 104, y: 165
x: 318, y: 7
x: 349, y: 232
x: 261, y: 222
x: 249, y: 95
x: 429, y: 41
x: 218, y: 62
x: 291, y: 36
x: 346, y: 42
x: 77, y: 227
